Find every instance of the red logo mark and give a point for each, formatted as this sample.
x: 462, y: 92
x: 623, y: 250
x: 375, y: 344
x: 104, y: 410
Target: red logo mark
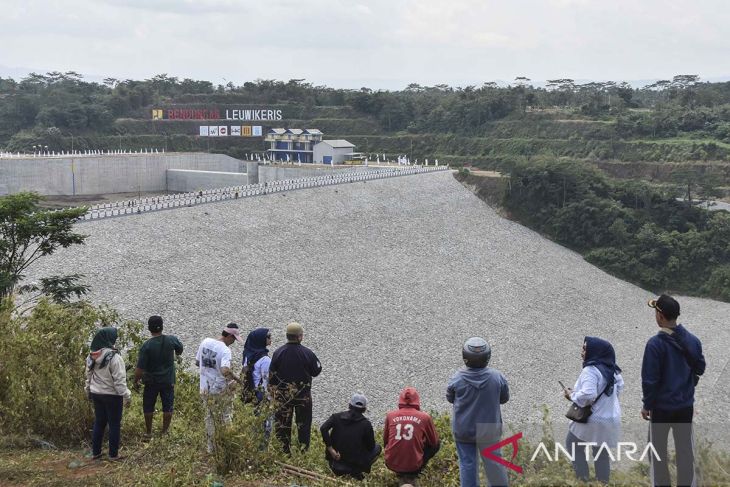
x: 513, y: 440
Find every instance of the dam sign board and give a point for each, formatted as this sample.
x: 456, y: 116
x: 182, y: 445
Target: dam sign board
x: 232, y: 130
x: 215, y: 113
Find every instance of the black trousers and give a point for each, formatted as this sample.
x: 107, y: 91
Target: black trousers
x: 679, y: 422
x: 299, y: 409
x: 341, y: 468
x: 107, y: 412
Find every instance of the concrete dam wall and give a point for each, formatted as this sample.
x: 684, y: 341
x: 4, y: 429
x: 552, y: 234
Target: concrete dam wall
x: 83, y: 174
x: 87, y: 175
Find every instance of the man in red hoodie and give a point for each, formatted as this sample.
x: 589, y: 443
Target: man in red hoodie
x: 410, y: 437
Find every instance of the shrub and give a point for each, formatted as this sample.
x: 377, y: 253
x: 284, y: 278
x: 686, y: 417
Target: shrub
x: 718, y: 285
x: 42, y: 368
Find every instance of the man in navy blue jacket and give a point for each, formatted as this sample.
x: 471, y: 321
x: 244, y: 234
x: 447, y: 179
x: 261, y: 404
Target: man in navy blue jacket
x: 672, y: 364
x: 290, y: 378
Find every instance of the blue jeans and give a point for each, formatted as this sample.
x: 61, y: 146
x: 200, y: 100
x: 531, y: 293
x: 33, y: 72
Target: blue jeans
x: 107, y: 411
x: 469, y: 456
x: 602, y: 462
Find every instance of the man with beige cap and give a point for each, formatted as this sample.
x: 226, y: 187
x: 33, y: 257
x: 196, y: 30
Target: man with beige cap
x: 292, y: 367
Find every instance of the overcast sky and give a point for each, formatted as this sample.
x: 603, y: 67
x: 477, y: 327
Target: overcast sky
x: 376, y: 43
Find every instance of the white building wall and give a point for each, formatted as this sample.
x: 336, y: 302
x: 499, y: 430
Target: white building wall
x: 81, y: 175
x: 320, y: 150
x: 338, y: 154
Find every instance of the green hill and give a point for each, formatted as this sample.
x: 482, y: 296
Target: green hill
x: 681, y: 121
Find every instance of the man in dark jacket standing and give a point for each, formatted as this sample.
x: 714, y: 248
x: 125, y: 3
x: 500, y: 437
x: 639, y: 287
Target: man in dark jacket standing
x: 477, y: 392
x: 672, y: 364
x: 350, y: 441
x: 292, y: 367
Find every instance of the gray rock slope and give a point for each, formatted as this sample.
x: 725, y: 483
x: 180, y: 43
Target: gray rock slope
x: 388, y: 278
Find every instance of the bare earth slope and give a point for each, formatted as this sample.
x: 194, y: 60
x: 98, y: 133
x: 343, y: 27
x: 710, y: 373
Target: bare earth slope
x: 388, y: 278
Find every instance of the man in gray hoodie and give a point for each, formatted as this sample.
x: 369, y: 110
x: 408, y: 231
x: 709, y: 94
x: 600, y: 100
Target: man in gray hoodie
x: 477, y: 391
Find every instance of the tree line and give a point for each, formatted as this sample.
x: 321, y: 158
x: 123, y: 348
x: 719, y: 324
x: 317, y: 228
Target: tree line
x: 668, y: 108
x: 631, y: 229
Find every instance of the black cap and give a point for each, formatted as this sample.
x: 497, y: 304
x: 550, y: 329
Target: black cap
x: 666, y: 305
x: 154, y: 324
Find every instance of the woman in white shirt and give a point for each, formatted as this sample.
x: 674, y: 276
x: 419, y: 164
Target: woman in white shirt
x: 599, y: 385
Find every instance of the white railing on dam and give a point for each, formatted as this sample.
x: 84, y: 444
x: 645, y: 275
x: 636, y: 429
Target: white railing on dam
x: 46, y: 154
x: 168, y: 202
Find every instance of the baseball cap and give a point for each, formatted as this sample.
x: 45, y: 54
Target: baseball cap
x: 666, y: 305
x: 232, y: 329
x: 359, y: 401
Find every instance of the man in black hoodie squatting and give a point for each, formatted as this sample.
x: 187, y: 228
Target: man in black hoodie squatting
x: 350, y: 441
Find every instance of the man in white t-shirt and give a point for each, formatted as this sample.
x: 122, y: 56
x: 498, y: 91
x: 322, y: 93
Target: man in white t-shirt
x: 214, y: 362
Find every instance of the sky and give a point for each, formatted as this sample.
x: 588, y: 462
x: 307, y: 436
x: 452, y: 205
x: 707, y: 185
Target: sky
x: 380, y: 44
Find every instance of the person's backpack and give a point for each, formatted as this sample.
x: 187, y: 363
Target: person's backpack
x: 248, y: 393
x: 250, y: 389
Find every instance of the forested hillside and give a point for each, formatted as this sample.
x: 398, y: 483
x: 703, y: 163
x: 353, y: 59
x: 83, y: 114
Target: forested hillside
x: 680, y: 120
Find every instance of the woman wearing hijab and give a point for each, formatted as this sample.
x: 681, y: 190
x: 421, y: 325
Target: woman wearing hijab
x: 106, y: 386
x: 599, y: 385
x: 256, y: 362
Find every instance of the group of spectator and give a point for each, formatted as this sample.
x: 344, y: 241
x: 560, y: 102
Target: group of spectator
x: 672, y: 364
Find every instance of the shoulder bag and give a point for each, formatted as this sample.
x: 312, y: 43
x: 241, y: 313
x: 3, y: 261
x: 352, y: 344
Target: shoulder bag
x: 687, y: 357
x: 581, y: 414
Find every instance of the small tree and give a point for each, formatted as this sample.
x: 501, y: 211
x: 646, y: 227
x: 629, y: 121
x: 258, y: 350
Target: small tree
x: 692, y: 182
x: 27, y: 233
